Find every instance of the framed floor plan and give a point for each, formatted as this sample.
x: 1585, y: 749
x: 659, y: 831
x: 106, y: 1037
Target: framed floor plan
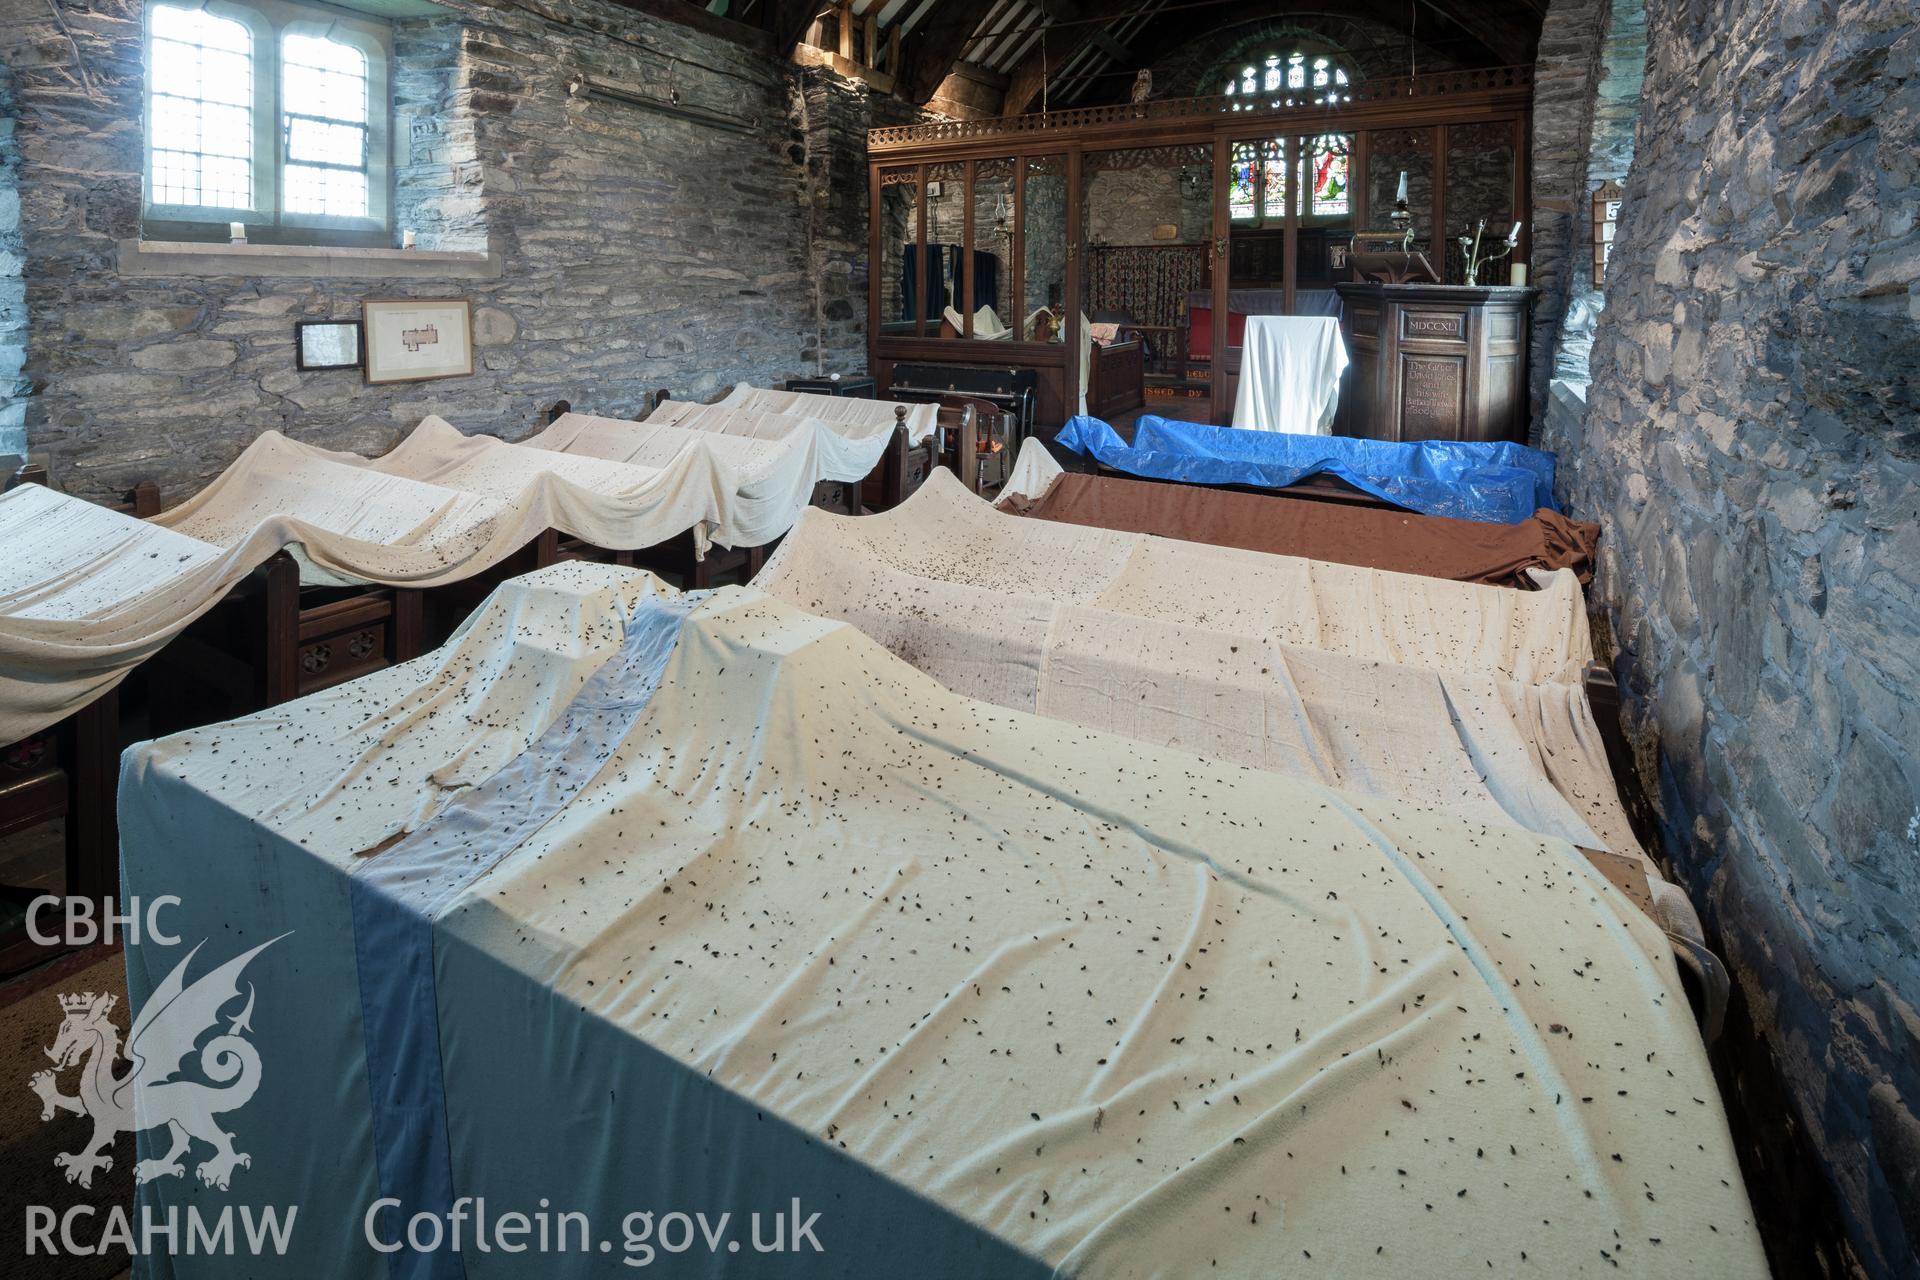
x: 412, y: 339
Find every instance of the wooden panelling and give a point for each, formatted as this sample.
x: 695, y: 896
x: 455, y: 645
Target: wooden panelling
x: 1289, y: 257
x: 1436, y: 362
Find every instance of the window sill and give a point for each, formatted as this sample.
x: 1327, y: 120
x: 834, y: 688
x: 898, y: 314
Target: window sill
x: 194, y: 258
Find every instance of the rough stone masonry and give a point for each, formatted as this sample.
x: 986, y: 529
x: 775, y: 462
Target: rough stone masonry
x: 636, y: 250
x: 1752, y: 442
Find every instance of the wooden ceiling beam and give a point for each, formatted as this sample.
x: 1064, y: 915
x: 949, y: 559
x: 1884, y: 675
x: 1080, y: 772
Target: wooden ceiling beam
x: 935, y: 44
x: 787, y: 22
x: 1511, y: 42
x: 1029, y: 75
x: 695, y: 16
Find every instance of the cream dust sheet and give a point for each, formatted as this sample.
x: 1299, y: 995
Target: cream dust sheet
x: 869, y: 434
x: 1245, y: 685
x: 851, y: 410
x: 770, y: 914
x: 86, y: 594
x: 944, y: 533
x: 1486, y: 748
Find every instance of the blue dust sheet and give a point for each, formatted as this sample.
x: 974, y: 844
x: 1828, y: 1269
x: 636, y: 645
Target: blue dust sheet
x: 1500, y: 483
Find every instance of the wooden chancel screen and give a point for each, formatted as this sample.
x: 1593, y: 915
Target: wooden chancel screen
x: 1113, y: 253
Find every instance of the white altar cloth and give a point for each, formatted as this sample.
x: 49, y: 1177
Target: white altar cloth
x: 1290, y: 373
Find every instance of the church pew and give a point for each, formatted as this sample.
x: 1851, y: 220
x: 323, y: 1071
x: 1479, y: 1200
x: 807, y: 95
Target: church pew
x: 67, y: 773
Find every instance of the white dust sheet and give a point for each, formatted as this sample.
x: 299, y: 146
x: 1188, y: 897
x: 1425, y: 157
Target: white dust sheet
x: 86, y: 594
x: 878, y: 414
x: 765, y: 424
x: 1554, y: 721
x: 807, y: 923
x: 1290, y: 369
x: 772, y: 477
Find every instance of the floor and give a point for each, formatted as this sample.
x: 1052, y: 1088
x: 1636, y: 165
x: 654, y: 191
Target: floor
x: 29, y: 1019
x: 1185, y: 408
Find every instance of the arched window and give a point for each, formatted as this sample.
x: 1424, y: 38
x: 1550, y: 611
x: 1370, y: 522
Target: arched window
x: 267, y: 113
x: 1298, y: 75
x: 323, y: 102
x: 1257, y: 185
x: 199, y: 110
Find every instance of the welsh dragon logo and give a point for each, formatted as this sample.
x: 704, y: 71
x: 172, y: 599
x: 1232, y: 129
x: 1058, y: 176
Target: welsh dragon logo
x: 164, y: 1037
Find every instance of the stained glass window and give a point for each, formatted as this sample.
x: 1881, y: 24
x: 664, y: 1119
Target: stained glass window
x: 1326, y: 164
x: 1277, y: 79
x: 1257, y: 183
x: 200, y: 110
x: 1274, y: 197
x: 1242, y: 202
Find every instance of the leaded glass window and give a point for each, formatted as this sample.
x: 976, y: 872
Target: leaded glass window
x: 268, y: 113
x: 323, y: 98
x: 1257, y: 184
x: 200, y: 110
x: 1326, y: 159
x: 1276, y: 81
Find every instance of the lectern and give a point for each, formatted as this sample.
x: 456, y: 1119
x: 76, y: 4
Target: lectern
x: 1435, y: 361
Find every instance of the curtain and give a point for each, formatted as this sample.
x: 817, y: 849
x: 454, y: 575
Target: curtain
x: 1149, y: 282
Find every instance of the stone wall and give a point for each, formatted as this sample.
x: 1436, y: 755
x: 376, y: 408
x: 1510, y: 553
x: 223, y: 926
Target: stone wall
x: 1750, y: 444
x: 13, y: 286
x: 1390, y: 153
x: 1586, y: 102
x: 638, y: 250
x: 438, y: 187
x: 835, y: 114
x: 1123, y: 206
x: 1044, y: 240
x: 1479, y: 178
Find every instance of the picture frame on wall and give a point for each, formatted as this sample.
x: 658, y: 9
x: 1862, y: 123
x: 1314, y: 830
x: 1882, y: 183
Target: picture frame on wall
x: 416, y: 339
x: 326, y: 344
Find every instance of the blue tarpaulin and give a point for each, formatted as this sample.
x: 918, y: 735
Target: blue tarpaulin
x: 1501, y: 482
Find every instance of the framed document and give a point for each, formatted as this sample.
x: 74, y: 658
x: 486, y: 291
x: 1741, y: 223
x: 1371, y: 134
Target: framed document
x: 413, y: 339
x: 326, y: 344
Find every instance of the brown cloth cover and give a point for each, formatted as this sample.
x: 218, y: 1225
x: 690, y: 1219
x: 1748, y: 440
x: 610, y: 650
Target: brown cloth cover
x: 1438, y: 547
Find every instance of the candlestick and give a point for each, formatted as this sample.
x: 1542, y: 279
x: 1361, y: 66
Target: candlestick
x: 1514, y: 235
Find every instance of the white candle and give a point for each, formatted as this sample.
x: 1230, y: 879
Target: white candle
x: 1517, y: 275
x: 408, y: 240
x: 236, y: 231
x: 1402, y: 197
x: 1514, y: 234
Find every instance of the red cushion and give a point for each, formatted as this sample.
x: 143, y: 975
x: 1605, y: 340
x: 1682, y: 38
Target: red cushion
x: 1200, y: 332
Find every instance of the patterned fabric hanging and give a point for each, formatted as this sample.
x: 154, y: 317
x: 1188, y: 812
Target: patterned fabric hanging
x: 1149, y: 282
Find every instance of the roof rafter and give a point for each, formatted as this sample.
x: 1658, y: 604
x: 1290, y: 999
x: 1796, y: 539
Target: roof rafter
x: 938, y: 40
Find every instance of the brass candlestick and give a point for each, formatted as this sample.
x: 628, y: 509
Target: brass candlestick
x: 1470, y: 246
